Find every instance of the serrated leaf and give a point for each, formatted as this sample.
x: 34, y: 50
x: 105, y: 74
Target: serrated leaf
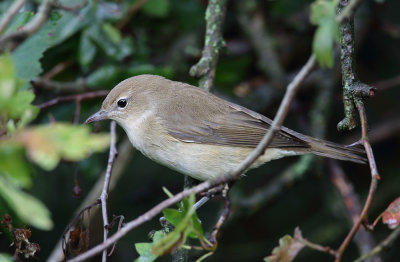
x: 47, y: 144
x: 27, y: 207
x: 156, y: 8
x: 61, y: 25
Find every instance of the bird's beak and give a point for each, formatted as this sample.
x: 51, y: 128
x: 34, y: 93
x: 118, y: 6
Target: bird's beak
x: 100, y: 115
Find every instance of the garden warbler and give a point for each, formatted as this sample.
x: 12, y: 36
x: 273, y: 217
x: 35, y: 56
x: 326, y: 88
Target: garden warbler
x: 199, y: 134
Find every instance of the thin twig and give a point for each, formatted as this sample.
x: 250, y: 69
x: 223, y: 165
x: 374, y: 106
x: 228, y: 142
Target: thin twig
x: 57, y: 69
x: 9, y: 15
x: 363, y: 239
x: 374, y: 183
x: 60, y: 87
x: 382, y: 246
x: 121, y: 220
x: 8, y: 41
x: 77, y: 97
x: 213, y: 41
x: 223, y: 217
x: 73, y: 9
x: 387, y: 83
x: 106, y: 185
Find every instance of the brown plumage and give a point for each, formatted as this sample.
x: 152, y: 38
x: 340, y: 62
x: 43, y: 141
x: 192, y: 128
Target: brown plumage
x: 168, y: 121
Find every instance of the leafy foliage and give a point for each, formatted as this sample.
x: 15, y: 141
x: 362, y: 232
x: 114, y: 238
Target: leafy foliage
x: 323, y: 14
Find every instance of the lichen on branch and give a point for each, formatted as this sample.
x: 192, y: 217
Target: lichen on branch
x: 213, y: 41
x: 353, y: 89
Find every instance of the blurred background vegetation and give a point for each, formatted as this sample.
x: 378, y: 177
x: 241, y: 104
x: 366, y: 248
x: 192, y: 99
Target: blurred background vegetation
x: 91, y: 45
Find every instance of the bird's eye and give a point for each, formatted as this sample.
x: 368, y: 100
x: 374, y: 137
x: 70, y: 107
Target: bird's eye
x: 121, y: 103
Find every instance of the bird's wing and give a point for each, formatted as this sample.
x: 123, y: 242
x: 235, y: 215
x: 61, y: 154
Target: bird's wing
x: 230, y: 125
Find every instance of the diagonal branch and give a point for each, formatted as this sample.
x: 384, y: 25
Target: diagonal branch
x: 9, y: 15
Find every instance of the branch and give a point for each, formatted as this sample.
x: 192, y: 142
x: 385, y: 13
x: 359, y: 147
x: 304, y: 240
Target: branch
x: 353, y: 89
x: 374, y: 183
x: 205, y: 68
x: 10, y: 40
x: 78, y: 98
x: 104, y: 193
x: 363, y: 239
x: 383, y: 245
x: 8, y: 16
x: 60, y: 87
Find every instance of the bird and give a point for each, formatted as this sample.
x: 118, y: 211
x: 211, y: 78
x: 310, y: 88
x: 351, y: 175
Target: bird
x: 199, y: 134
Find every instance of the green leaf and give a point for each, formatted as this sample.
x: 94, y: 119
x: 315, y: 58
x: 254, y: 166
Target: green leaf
x: 322, y: 10
x: 19, y: 21
x: 110, y: 41
x: 14, y: 103
x: 13, y: 165
x: 27, y: 207
x: 183, y: 221
x: 173, y: 216
x: 60, y: 26
x: 87, y: 50
x: 47, y: 144
x: 8, y: 83
x: 144, y: 249
x: 323, y: 43
x: 157, y: 8
x: 106, y: 76
x: 323, y: 14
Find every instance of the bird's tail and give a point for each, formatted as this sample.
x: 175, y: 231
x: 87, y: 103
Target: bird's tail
x: 336, y: 151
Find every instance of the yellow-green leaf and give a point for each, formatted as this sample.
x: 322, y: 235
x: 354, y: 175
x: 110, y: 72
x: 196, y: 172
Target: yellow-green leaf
x: 47, y: 144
